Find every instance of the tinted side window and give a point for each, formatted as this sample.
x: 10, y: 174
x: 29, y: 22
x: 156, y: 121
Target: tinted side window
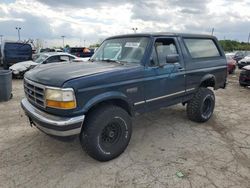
x: 64, y: 58
x: 53, y: 59
x: 202, y: 48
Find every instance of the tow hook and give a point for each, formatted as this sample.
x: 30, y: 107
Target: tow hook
x: 31, y: 122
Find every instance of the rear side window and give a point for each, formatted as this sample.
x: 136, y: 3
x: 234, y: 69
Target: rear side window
x: 202, y: 48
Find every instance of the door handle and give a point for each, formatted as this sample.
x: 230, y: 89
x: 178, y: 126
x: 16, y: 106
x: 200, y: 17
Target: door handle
x: 180, y: 68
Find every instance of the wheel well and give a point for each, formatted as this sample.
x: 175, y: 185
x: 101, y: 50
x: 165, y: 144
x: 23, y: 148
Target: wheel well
x: 210, y: 82
x: 117, y: 102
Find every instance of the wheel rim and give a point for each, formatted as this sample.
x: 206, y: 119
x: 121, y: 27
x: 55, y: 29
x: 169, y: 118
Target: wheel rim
x: 207, y: 107
x: 111, y: 134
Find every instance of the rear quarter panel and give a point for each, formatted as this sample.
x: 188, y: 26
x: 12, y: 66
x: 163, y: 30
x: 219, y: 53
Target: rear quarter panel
x: 198, y: 69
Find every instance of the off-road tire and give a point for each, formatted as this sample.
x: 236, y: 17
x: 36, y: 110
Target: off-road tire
x: 200, y: 108
x: 100, y: 125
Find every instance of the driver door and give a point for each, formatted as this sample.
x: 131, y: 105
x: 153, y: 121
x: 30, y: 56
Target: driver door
x: 166, y: 81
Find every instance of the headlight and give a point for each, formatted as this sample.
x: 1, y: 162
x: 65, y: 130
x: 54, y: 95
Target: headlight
x: 60, y: 98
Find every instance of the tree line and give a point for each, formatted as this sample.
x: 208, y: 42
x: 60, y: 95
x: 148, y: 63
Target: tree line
x: 232, y: 45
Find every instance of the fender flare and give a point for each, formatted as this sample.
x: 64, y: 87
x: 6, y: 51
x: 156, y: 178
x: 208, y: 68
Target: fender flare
x: 111, y: 95
x: 208, y: 77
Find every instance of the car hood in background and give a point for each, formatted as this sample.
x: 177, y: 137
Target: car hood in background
x: 245, y: 59
x: 247, y: 67
x: 22, y: 66
x: 57, y: 74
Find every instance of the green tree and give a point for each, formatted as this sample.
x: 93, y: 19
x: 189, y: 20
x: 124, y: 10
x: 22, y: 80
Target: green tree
x: 231, y: 45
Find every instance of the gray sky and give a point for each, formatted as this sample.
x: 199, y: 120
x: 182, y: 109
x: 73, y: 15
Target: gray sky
x: 94, y: 20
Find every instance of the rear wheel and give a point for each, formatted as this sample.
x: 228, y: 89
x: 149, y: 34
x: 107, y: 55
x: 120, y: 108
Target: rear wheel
x: 106, y: 132
x: 200, y: 108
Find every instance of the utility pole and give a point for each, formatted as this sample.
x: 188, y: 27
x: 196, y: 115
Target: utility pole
x: 84, y: 43
x: 134, y: 29
x: 63, y: 39
x: 18, y: 32
x: 248, y: 38
x: 1, y: 36
x: 212, y: 31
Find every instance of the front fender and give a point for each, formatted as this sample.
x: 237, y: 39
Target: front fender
x: 112, y: 95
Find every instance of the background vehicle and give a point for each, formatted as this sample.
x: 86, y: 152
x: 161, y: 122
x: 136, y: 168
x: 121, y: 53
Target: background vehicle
x: 243, y: 62
x: 58, y: 50
x: 43, y: 50
x: 81, y: 51
x: 238, y: 56
x: 19, y: 69
x: 231, y: 64
x: 14, y: 52
x: 80, y: 60
x: 244, y: 78
x: 127, y: 75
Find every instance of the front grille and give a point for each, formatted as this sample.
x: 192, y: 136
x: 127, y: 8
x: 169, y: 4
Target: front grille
x: 34, y: 93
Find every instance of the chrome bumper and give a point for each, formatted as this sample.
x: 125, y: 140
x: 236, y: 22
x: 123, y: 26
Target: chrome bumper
x: 51, y: 124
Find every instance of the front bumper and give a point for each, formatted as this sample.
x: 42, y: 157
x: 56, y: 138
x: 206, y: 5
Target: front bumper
x: 244, y: 81
x: 51, y: 124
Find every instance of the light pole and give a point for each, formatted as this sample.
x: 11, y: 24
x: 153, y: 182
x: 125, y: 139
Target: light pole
x: 84, y: 43
x: 212, y: 31
x: 18, y: 31
x: 134, y: 29
x: 248, y: 38
x: 63, y: 39
x: 1, y: 36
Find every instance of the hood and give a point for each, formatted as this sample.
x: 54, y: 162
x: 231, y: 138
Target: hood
x: 247, y: 58
x: 247, y: 67
x: 57, y: 74
x: 22, y: 65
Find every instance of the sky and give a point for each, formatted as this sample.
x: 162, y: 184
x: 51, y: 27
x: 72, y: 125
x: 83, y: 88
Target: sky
x: 88, y: 22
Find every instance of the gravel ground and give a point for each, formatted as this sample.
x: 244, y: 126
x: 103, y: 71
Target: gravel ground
x: 212, y: 154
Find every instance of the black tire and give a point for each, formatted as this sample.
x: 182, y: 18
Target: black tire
x: 200, y: 108
x: 106, y: 132
x: 243, y: 85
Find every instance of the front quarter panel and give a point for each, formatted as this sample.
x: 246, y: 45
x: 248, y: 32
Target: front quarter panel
x: 125, y: 84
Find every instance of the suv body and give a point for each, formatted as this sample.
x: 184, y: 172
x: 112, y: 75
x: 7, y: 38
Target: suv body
x: 128, y: 74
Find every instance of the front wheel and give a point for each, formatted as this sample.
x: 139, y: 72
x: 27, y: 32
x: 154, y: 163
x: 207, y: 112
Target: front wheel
x: 200, y: 108
x: 106, y: 132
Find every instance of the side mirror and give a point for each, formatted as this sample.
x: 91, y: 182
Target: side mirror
x: 173, y: 58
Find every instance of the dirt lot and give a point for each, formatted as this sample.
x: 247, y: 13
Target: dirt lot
x: 213, y: 154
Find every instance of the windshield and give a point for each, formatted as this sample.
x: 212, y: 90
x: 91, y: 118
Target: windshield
x: 41, y: 58
x: 127, y: 50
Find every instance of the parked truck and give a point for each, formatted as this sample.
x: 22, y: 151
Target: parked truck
x: 127, y: 75
x: 14, y: 52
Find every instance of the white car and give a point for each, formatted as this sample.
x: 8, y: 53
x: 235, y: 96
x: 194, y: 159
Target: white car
x: 244, y: 62
x: 19, y: 69
x: 81, y: 59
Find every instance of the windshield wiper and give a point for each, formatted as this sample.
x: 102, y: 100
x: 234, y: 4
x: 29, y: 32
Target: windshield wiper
x: 111, y: 60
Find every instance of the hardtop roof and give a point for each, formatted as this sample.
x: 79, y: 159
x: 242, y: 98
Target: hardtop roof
x: 164, y: 34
